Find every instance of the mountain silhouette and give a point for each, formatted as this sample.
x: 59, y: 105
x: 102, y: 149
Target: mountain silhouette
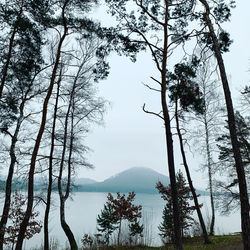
x: 137, y: 179
x: 83, y: 181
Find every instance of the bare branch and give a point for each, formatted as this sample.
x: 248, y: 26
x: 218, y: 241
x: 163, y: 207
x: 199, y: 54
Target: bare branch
x: 146, y: 85
x: 152, y: 113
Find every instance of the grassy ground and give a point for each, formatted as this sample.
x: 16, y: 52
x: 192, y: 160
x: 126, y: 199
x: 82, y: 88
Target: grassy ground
x: 228, y: 242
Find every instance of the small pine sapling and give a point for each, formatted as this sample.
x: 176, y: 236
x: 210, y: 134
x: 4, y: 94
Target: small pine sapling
x: 107, y: 222
x: 186, y: 210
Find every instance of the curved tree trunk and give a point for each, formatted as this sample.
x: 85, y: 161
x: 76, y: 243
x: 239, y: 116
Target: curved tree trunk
x: 63, y: 197
x: 245, y: 220
x: 66, y: 227
x: 8, y: 187
x: 197, y: 207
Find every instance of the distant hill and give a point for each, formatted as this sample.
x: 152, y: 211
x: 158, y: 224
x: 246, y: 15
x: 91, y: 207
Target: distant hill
x: 83, y: 181
x: 137, y: 179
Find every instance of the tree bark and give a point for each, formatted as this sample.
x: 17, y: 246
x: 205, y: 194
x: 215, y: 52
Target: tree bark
x: 25, y: 221
x: 119, y: 233
x: 210, y: 178
x: 169, y: 139
x: 63, y: 197
x: 245, y: 221
x: 49, y: 191
x: 203, y: 226
x: 66, y: 227
x: 8, y: 187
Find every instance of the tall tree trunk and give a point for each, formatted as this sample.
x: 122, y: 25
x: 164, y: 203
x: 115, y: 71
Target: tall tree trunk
x: 171, y: 168
x: 209, y: 166
x: 169, y: 139
x: 62, y: 197
x: 8, y: 187
x: 197, y: 207
x: 245, y: 220
x: 28, y: 212
x: 49, y: 191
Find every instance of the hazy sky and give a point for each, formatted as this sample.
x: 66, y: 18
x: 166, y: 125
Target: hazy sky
x: 132, y: 138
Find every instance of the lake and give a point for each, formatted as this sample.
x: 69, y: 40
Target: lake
x: 83, y: 208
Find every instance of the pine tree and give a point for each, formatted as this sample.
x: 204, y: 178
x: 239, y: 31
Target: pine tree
x: 135, y: 230
x: 186, y: 210
x: 67, y: 17
x: 107, y: 222
x: 229, y: 198
x: 166, y: 226
x: 186, y: 96
x: 160, y: 27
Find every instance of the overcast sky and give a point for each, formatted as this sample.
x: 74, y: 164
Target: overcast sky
x: 132, y: 138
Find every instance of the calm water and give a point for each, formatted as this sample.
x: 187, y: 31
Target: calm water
x: 83, y: 208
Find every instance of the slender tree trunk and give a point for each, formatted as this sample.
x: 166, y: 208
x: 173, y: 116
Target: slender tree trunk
x: 66, y: 227
x: 171, y: 167
x: 49, y: 191
x: 8, y: 187
x: 169, y: 140
x: 209, y: 166
x: 62, y: 197
x: 245, y: 221
x: 25, y: 221
x: 119, y: 232
x: 203, y: 226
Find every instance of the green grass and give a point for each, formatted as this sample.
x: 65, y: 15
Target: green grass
x: 226, y: 242
x: 218, y: 243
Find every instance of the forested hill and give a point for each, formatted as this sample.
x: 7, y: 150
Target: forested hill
x: 137, y: 179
